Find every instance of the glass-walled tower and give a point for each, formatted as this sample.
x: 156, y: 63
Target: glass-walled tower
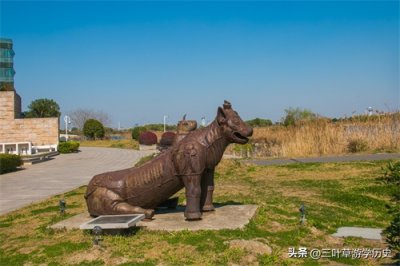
x: 7, y: 71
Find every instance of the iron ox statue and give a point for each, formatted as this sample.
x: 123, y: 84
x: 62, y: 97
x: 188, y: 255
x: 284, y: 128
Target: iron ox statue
x: 188, y: 163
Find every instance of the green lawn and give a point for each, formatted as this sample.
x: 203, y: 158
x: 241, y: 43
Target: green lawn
x: 335, y: 194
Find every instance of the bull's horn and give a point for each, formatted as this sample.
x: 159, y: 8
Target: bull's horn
x: 227, y: 105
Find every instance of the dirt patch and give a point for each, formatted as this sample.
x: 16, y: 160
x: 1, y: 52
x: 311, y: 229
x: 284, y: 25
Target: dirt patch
x: 276, y: 227
x: 256, y: 246
x: 93, y: 254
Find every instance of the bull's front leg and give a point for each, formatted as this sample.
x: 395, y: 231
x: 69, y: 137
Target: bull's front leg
x: 193, y: 193
x: 207, y: 190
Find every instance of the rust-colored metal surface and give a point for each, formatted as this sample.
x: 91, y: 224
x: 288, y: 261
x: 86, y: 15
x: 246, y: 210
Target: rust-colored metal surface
x: 189, y: 163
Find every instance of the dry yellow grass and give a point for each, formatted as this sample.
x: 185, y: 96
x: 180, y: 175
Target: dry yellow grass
x: 323, y: 137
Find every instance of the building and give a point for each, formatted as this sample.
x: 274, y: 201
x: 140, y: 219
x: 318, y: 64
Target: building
x: 20, y: 135
x: 7, y: 71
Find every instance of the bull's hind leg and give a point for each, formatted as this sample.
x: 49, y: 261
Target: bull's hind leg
x: 106, y: 202
x: 126, y: 208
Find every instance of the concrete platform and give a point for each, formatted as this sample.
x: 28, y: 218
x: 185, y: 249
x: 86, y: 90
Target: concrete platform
x: 363, y: 232
x: 224, y: 217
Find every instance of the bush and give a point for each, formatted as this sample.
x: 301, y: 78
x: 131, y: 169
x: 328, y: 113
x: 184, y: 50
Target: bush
x: 167, y: 138
x: 148, y: 138
x: 392, y: 232
x: 392, y: 174
x: 159, y: 127
x: 68, y: 147
x: 357, y: 145
x: 9, y: 162
x: 137, y: 131
x: 294, y: 115
x: 93, y: 129
x: 259, y: 122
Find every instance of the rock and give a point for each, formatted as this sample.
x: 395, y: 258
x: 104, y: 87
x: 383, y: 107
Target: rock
x: 253, y: 246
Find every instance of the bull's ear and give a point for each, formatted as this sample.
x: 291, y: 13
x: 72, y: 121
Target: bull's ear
x: 221, y: 117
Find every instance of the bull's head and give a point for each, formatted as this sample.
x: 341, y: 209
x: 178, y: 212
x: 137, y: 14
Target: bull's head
x: 233, y: 127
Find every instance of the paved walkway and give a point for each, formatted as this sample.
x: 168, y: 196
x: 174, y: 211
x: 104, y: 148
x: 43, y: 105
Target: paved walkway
x: 328, y: 159
x: 61, y: 174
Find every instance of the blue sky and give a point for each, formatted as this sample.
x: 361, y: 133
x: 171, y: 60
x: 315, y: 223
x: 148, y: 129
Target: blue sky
x: 140, y: 60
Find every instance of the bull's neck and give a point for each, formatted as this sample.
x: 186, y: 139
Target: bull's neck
x: 214, y: 136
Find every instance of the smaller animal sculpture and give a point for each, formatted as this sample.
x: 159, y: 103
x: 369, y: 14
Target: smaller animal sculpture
x: 189, y: 164
x: 184, y: 128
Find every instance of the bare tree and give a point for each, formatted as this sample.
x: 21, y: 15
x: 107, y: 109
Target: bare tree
x: 80, y: 115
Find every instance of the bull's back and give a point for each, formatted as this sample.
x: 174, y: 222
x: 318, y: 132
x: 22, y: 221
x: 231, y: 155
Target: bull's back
x: 145, y: 186
x: 153, y: 182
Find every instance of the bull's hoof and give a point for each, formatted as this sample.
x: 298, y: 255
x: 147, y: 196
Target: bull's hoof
x: 208, y: 208
x: 148, y: 215
x: 193, y: 216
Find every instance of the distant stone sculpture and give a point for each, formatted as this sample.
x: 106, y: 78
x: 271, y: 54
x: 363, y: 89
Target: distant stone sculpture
x: 189, y: 163
x: 184, y: 127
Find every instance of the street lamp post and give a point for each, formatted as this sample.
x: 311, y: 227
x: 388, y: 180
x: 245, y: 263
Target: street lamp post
x: 67, y: 121
x: 165, y: 118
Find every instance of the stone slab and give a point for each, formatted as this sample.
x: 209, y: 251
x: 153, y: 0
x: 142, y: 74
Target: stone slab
x: 363, y: 232
x: 224, y: 217
x: 122, y: 221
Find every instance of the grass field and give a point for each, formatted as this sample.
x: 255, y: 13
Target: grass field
x: 335, y: 194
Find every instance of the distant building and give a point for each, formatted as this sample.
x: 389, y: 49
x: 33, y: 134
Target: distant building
x: 21, y: 135
x: 7, y: 71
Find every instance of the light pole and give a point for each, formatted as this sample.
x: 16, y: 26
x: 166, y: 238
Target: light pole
x: 67, y: 121
x: 165, y: 118
x: 203, y: 121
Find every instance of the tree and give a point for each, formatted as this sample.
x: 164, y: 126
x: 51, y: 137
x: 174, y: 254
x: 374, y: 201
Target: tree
x: 259, y: 122
x: 79, y: 117
x: 43, y: 108
x: 93, y: 129
x: 294, y: 115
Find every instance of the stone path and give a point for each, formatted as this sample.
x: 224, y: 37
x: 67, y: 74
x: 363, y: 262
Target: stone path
x: 61, y: 174
x: 363, y: 232
x: 328, y: 159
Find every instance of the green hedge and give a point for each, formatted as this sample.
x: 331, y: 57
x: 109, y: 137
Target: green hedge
x: 9, y: 162
x: 137, y: 131
x: 68, y: 147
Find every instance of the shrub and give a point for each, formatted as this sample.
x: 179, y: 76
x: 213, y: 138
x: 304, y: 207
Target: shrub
x: 259, y: 122
x: 9, y: 162
x: 137, y: 131
x: 93, y: 129
x: 159, y: 127
x: 392, y: 232
x: 357, y: 145
x: 148, y: 138
x: 294, y: 115
x: 68, y: 147
x: 167, y: 138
